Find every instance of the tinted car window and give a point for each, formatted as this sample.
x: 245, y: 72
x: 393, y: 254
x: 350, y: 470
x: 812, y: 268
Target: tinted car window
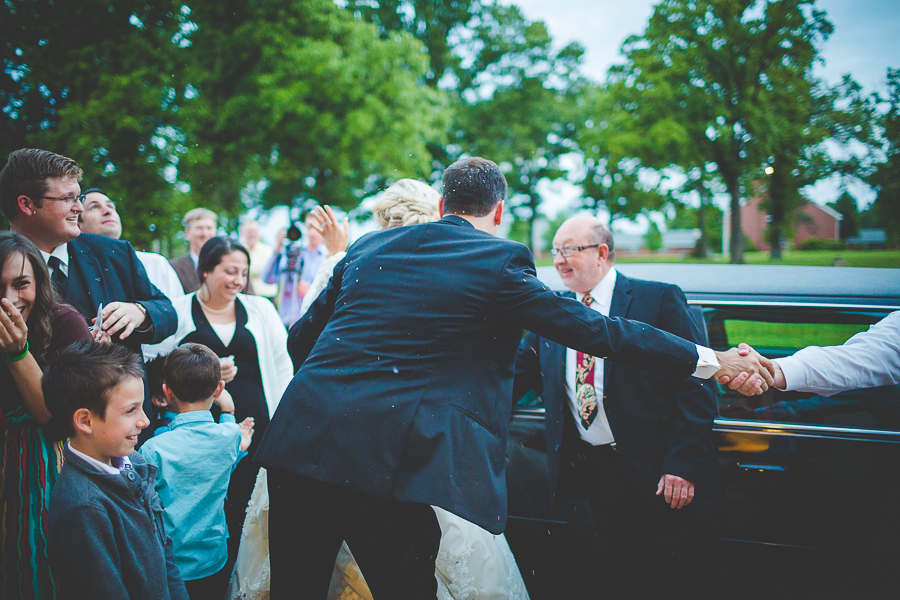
x: 777, y: 332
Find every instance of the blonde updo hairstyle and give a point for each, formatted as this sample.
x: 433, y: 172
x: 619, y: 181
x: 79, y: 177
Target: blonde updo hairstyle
x: 407, y: 202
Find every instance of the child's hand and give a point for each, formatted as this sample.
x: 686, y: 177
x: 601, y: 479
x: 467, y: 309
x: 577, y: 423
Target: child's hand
x: 246, y: 432
x: 225, y: 402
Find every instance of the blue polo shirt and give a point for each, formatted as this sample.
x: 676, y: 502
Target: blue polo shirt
x: 195, y: 458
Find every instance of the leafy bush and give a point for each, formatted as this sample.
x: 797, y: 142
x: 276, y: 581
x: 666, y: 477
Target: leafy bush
x: 820, y: 244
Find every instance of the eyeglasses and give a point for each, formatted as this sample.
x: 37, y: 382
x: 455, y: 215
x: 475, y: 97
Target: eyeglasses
x: 70, y: 199
x: 568, y: 251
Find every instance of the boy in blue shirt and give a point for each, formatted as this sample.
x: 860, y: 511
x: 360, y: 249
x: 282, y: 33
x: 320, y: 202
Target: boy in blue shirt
x: 107, y: 536
x: 195, y: 457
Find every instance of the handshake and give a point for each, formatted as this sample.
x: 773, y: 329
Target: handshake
x: 745, y: 370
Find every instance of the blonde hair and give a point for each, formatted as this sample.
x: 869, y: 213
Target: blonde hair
x: 407, y: 202
x: 199, y: 213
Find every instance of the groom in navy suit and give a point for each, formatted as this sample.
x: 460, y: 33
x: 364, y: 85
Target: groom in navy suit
x: 403, y: 394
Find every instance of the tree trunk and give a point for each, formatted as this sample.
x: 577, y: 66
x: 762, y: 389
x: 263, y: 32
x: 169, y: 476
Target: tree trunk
x: 737, y: 232
x: 775, y: 252
x: 703, y: 244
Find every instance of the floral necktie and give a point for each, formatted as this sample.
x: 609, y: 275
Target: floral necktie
x: 585, y: 395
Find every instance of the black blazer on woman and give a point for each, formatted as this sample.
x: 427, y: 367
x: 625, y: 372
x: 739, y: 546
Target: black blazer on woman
x: 406, y: 360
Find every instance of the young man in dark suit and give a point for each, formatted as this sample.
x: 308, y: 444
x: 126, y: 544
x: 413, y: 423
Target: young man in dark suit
x: 41, y: 198
x: 403, y: 395
x: 637, y: 444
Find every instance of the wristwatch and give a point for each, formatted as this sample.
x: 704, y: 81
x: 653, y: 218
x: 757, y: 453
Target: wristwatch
x: 141, y: 307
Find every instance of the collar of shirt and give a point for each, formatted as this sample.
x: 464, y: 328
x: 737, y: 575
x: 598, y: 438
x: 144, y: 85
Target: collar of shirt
x: 61, y: 252
x: 603, y: 292
x: 194, y: 258
x: 124, y: 462
x: 194, y: 416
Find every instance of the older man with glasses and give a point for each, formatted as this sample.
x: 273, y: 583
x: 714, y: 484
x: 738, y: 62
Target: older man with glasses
x: 41, y: 198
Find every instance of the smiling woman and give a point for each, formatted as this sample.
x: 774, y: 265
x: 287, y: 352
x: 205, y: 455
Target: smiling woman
x: 34, y: 328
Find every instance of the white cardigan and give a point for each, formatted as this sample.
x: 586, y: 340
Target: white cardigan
x: 264, y: 325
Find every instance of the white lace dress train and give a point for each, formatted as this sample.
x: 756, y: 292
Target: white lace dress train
x: 472, y: 564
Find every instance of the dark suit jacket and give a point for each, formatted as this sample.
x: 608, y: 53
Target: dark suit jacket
x: 187, y: 275
x: 104, y: 270
x: 661, y: 424
x: 406, y: 366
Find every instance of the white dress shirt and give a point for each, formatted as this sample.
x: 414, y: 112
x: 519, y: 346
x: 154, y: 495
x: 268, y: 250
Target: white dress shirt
x: 124, y: 462
x: 868, y: 359
x: 62, y: 253
x: 599, y: 432
x: 161, y: 274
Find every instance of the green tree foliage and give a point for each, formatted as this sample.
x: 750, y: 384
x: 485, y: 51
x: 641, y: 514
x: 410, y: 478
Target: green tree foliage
x: 306, y: 97
x: 432, y: 22
x: 517, y: 104
x: 849, y: 209
x: 886, y: 176
x: 94, y: 81
x: 698, y: 86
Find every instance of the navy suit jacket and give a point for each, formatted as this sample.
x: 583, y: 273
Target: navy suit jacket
x: 661, y: 424
x: 104, y: 270
x: 406, y: 362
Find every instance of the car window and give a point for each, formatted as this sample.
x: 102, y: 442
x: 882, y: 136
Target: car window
x: 777, y: 332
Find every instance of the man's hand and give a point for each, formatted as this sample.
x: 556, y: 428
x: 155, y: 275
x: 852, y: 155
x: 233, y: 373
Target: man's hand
x: 738, y: 382
x: 225, y: 402
x: 123, y: 317
x: 678, y: 491
x: 745, y: 360
x: 246, y: 432
x: 229, y: 370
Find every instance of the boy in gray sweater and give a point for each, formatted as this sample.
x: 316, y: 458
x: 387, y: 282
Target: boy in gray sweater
x: 107, y: 537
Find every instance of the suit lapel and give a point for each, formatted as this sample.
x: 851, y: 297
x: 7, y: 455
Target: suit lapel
x: 621, y: 301
x: 84, y: 289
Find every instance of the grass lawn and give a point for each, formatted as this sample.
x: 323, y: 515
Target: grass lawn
x: 819, y: 258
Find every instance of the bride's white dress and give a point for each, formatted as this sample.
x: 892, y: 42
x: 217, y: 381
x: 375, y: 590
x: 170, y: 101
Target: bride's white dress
x: 472, y: 564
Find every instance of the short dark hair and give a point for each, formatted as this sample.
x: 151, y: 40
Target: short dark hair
x: 472, y: 186
x: 82, y: 377
x: 212, y: 252
x: 26, y: 173
x: 95, y: 191
x: 192, y: 372
x: 155, y: 375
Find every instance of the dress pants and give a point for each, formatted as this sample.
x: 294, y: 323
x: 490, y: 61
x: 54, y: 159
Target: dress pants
x: 646, y: 548
x: 394, y: 543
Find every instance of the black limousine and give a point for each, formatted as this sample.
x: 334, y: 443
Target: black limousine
x: 812, y: 484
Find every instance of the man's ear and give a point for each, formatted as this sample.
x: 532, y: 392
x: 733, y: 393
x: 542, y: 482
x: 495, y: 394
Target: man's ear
x: 26, y: 205
x: 603, y: 250
x: 498, y: 213
x: 83, y: 420
x: 160, y: 401
x: 441, y: 207
x: 219, y: 389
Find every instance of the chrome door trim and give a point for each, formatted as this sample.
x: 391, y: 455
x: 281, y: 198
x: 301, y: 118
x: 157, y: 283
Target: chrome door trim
x: 774, y: 303
x: 802, y: 430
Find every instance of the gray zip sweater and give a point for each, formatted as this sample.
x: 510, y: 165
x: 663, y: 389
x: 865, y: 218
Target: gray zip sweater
x: 107, y: 538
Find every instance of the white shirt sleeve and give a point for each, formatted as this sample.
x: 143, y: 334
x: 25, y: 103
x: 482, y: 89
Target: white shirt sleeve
x: 707, y: 363
x: 868, y: 359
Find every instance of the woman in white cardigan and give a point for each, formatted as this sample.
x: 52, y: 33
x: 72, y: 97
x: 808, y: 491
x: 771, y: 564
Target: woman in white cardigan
x: 250, y: 339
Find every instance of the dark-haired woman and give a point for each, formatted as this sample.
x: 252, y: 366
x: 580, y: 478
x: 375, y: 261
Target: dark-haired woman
x: 246, y: 330
x: 34, y: 328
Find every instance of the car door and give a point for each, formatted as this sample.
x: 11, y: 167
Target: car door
x: 804, y: 475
